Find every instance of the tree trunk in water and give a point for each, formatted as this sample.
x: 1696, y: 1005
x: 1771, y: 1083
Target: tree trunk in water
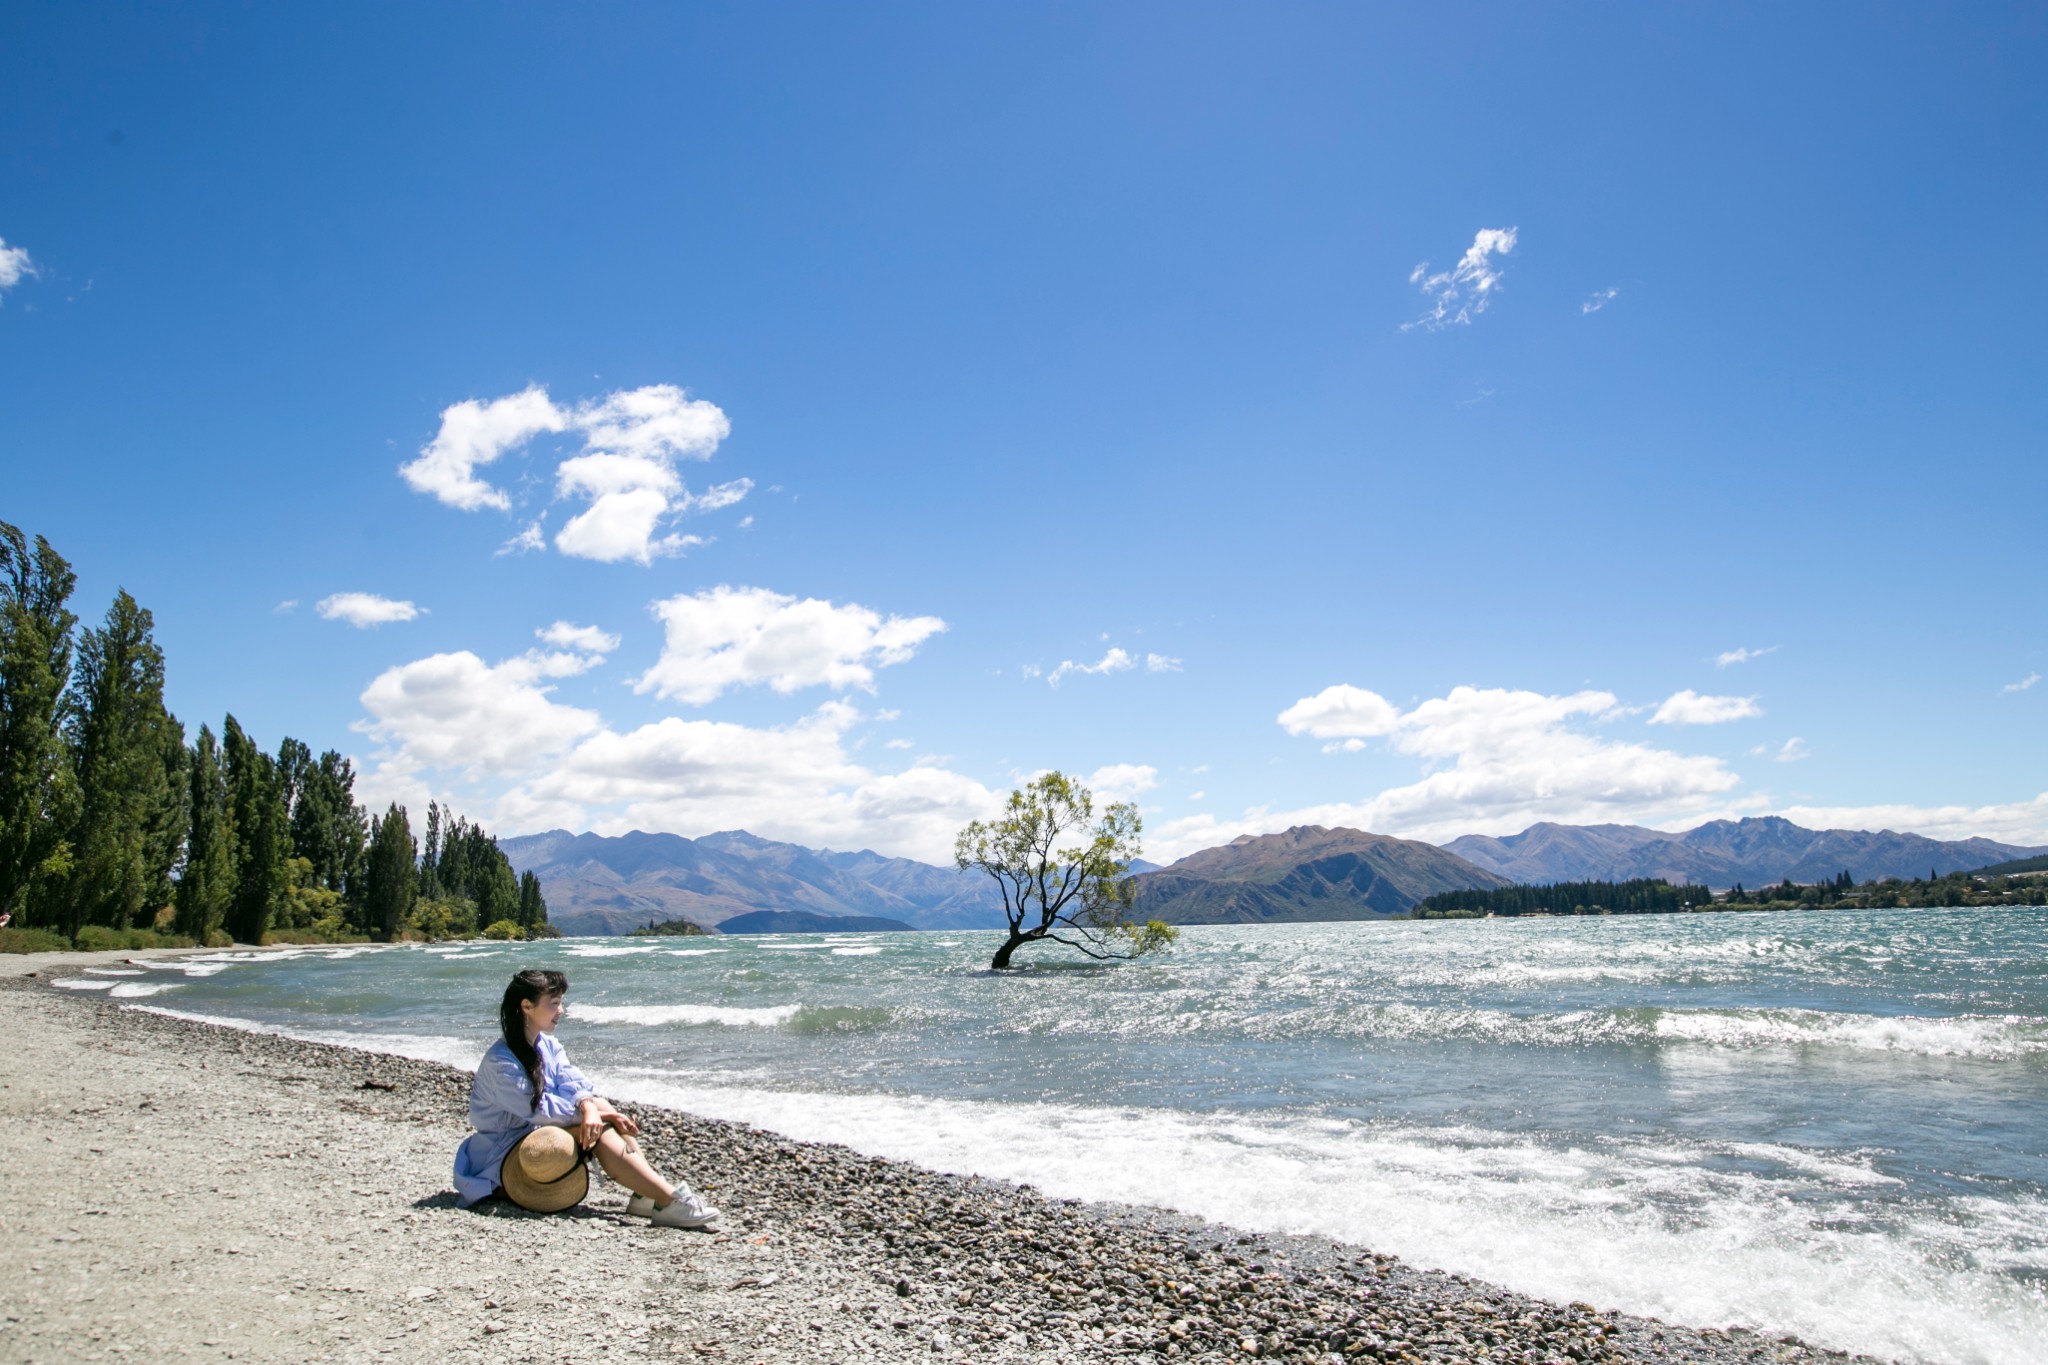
x: 1002, y: 957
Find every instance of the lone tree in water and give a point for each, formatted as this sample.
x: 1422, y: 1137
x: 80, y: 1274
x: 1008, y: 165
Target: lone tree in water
x: 1065, y: 876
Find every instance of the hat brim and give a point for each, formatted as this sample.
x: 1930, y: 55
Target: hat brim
x: 566, y: 1191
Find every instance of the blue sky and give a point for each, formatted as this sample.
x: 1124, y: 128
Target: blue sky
x: 1422, y: 401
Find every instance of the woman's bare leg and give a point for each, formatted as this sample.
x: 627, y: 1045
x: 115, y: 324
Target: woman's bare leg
x: 625, y: 1165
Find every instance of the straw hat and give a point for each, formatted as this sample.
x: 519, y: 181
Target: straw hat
x: 545, y: 1172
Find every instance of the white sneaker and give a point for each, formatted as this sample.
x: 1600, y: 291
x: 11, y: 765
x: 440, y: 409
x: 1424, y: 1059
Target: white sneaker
x: 685, y: 1211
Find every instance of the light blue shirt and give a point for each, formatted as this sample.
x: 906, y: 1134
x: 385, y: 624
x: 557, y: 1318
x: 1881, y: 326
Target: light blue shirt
x: 502, y: 1111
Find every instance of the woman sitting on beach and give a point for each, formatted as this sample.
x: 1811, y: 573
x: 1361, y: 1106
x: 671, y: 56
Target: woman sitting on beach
x: 527, y: 1095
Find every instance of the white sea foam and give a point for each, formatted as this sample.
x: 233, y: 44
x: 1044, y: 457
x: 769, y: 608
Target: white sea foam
x: 1621, y: 1224
x: 72, y: 983
x: 694, y: 952
x: 626, y: 950
x: 730, y: 1015
x: 114, y: 971
x: 1986, y: 1036
x: 135, y: 990
x: 855, y: 952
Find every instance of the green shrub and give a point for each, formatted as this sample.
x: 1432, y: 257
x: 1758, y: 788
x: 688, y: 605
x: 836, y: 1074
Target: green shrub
x: 98, y: 938
x: 32, y: 941
x: 503, y: 929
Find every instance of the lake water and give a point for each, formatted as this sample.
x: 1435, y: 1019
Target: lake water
x: 1824, y: 1123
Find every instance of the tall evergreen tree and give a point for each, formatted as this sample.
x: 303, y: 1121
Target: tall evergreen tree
x: 327, y: 825
x: 257, y: 804
x: 127, y: 828
x: 393, y: 882
x: 533, y: 907
x: 208, y: 880
x: 37, y: 791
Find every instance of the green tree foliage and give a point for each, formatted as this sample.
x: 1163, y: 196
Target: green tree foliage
x: 127, y: 754
x: 208, y: 879
x: 1647, y: 896
x: 260, y: 823
x: 1064, y: 875
x: 533, y: 907
x: 391, y: 878
x: 37, y: 791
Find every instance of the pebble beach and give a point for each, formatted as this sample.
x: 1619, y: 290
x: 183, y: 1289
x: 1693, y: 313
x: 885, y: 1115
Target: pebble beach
x: 186, y: 1191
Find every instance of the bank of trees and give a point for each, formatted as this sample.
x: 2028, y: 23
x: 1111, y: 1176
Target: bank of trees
x: 114, y: 827
x: 1645, y: 896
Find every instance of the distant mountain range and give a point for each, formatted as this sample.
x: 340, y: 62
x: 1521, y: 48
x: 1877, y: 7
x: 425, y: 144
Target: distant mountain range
x: 1307, y: 873
x: 609, y: 885
x: 596, y: 884
x: 1761, y: 851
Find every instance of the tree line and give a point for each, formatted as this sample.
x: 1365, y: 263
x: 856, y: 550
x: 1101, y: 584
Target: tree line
x: 114, y: 829
x: 1653, y: 896
x: 1643, y: 896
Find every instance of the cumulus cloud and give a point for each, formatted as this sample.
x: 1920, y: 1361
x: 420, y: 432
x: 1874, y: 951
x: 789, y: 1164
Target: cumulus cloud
x: 1494, y: 761
x: 625, y: 470
x: 365, y: 609
x: 1742, y: 656
x: 2023, y: 684
x: 1160, y: 663
x: 1466, y: 290
x: 456, y: 712
x: 1121, y: 782
x: 585, y: 639
x: 739, y: 637
x: 14, y: 265
x: 528, y: 540
x: 474, y: 434
x: 2015, y: 822
x: 1599, y: 300
x: 1791, y: 751
x: 1115, y: 661
x: 1691, y: 708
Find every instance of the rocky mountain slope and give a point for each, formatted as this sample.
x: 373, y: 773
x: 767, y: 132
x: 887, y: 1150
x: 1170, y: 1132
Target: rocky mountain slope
x: 610, y: 885
x: 1307, y: 873
x: 1755, y: 852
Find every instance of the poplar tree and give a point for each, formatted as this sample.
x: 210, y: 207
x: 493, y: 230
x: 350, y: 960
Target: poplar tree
x: 209, y: 875
x: 129, y: 816
x: 393, y: 884
x: 533, y: 908
x: 37, y: 791
x: 259, y: 820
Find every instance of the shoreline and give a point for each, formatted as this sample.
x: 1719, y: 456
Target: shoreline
x: 826, y: 1255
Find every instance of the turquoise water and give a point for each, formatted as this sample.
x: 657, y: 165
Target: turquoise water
x: 1824, y: 1123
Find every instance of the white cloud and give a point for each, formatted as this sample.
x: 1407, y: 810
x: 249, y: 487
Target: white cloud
x: 14, y: 265
x: 1121, y: 782
x: 1791, y: 751
x: 528, y: 540
x: 474, y: 434
x: 1115, y: 661
x: 737, y: 637
x: 1198, y: 796
x: 1691, y: 708
x: 2023, y: 684
x: 1742, y: 656
x: 2016, y: 822
x: 454, y: 711
x: 624, y: 470
x: 1599, y: 300
x: 286, y: 607
x: 365, y: 609
x: 1341, y: 712
x: 901, y: 744
x: 1494, y: 761
x: 1465, y: 290
x: 1160, y: 663
x: 586, y: 639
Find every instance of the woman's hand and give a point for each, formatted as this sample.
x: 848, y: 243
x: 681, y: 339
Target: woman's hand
x: 589, y: 1125
x: 626, y: 1126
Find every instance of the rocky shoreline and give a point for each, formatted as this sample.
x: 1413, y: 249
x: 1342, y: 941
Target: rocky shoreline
x: 829, y: 1256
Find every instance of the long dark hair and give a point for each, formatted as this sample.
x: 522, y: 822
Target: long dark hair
x: 524, y: 986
